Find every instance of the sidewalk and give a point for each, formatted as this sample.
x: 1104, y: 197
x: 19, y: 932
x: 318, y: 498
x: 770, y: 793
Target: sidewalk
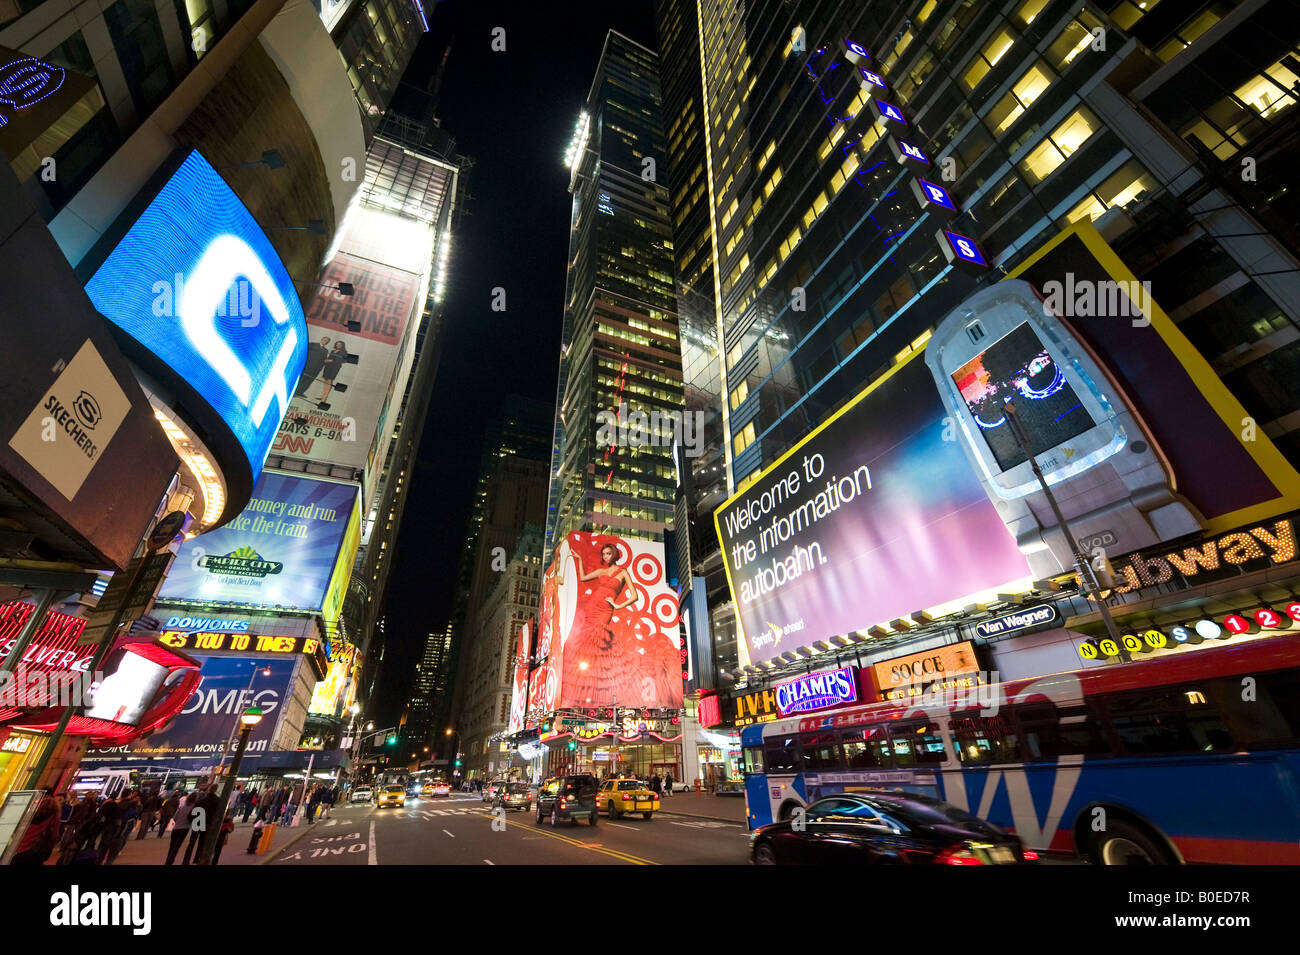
x: 153, y: 851
x: 704, y: 806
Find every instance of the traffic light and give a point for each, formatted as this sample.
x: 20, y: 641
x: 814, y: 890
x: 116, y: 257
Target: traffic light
x: 392, y: 739
x: 458, y: 764
x: 573, y: 744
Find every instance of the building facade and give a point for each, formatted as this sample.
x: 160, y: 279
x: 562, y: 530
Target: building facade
x: 1159, y: 124
x: 620, y: 367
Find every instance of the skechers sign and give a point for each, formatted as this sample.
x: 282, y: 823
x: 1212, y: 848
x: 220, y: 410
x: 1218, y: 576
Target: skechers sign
x: 197, y: 283
x: 818, y: 691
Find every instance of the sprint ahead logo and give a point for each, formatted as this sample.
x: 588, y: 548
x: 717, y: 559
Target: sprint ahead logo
x: 241, y: 562
x: 76, y: 908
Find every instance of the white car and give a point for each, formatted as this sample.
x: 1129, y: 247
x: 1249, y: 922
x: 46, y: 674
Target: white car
x: 441, y: 789
x: 363, y: 794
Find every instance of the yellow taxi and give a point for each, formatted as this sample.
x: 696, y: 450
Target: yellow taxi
x: 427, y: 789
x: 393, y: 795
x: 619, y: 796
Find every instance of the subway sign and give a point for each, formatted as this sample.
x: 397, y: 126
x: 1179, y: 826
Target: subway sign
x: 818, y: 691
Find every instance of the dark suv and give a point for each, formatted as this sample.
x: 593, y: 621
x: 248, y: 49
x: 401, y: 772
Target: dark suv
x: 568, y: 797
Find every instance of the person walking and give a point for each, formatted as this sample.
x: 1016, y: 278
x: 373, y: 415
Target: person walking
x: 668, y: 784
x: 148, y: 813
x: 250, y: 803
x: 208, y: 808
x: 313, y: 803
x: 107, y: 829
x: 79, y: 821
x: 167, y: 810
x: 227, y: 827
x: 656, y: 785
x: 181, y: 827
x: 42, y: 835
x: 331, y: 797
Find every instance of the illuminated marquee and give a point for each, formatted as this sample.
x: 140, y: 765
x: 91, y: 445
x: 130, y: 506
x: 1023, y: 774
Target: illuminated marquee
x: 818, y: 691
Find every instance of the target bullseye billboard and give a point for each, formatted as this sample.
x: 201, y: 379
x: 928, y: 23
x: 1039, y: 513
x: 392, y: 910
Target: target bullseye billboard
x: 607, y: 630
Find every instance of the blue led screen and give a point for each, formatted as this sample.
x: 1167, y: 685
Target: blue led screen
x: 196, y: 281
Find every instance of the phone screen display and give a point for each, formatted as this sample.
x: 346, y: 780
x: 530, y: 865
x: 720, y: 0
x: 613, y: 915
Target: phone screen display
x: 1018, y: 367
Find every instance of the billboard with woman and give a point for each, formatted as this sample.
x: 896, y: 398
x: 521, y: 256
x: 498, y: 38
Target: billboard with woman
x: 608, y: 628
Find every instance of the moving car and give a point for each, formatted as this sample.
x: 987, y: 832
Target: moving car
x: 363, y: 794
x: 885, y: 828
x: 441, y: 789
x: 427, y: 788
x: 619, y: 796
x: 568, y: 797
x: 393, y: 794
x: 490, y: 790
x: 514, y: 796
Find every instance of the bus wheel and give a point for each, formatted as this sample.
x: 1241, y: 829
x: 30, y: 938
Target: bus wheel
x: 787, y: 811
x: 1125, y: 844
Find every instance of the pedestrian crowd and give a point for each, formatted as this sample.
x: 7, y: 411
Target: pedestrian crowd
x: 93, y: 829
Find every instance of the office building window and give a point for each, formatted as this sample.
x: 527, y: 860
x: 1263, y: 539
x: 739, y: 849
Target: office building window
x: 138, y: 40
x: 988, y: 57
x: 1127, y: 184
x: 1060, y: 144
x: 1074, y: 39
x: 1022, y: 95
x: 1129, y: 12
x: 1182, y: 37
x: 202, y: 25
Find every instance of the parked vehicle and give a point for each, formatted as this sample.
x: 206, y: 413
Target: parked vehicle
x: 363, y: 794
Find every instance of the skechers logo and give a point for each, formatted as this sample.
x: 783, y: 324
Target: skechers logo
x: 87, y: 409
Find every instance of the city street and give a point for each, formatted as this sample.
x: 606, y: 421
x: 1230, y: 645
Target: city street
x: 458, y: 831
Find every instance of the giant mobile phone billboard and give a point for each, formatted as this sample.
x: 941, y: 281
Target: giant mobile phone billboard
x: 878, y: 513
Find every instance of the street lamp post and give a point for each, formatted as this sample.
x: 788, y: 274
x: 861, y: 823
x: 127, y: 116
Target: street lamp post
x: 1081, y: 562
x: 239, y: 723
x: 250, y: 718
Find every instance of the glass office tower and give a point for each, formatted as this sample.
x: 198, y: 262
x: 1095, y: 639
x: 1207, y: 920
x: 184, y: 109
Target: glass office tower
x: 620, y: 356
x: 1033, y: 114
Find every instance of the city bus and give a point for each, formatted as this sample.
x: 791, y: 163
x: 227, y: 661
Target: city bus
x: 1188, y: 757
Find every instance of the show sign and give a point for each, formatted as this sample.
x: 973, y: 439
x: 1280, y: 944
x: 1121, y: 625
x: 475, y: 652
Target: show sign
x: 818, y: 691
x: 279, y: 553
x: 872, y: 516
x: 254, y: 644
x: 204, y: 299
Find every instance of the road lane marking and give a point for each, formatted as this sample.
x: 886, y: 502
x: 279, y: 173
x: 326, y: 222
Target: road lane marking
x: 489, y: 862
x: 635, y: 860
x: 374, y: 859
x: 621, y: 826
x: 452, y: 834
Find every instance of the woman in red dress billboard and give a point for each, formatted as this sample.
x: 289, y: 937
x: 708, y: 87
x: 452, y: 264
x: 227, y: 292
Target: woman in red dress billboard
x: 618, y: 648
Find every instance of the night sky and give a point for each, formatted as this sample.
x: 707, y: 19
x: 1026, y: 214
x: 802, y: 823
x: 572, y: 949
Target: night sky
x: 513, y: 112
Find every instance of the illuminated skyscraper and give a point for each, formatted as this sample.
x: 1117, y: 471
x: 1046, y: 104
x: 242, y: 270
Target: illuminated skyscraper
x: 620, y: 352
